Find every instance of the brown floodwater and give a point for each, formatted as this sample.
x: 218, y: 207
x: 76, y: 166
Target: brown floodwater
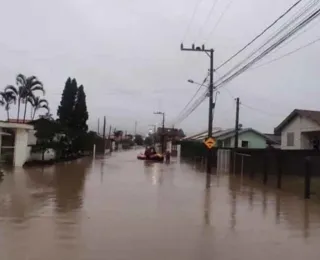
x: 122, y: 208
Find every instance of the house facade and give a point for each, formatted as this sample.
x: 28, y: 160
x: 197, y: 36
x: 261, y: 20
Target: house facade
x: 300, y: 130
x: 247, y: 138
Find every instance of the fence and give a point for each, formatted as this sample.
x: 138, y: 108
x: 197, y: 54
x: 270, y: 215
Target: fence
x: 290, y: 170
x: 197, y: 151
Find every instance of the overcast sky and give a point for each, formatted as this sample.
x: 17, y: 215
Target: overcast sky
x: 126, y: 54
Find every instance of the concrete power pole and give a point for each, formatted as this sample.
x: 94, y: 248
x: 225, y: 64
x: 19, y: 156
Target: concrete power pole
x: 104, y: 134
x: 236, y: 137
x: 209, y: 52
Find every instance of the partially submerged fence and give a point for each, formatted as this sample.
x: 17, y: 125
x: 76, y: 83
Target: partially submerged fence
x: 296, y: 171
x: 197, y: 151
x: 290, y: 170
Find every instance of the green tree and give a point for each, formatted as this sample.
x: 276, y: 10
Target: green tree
x: 7, y: 98
x: 80, y: 112
x: 138, y: 139
x: 148, y: 141
x: 65, y: 110
x: 46, y: 130
x: 38, y: 103
x: 26, y: 86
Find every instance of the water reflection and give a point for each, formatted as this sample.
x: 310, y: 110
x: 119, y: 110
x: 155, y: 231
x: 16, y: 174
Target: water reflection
x: 278, y: 205
x: 69, y: 183
x: 207, y: 206
x: 264, y: 202
x: 63, y: 212
x: 154, y: 172
x: 306, y: 218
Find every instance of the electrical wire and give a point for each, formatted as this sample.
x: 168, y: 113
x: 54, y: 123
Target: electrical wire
x: 261, y: 111
x: 268, y: 50
x: 195, y: 94
x: 220, y: 18
x: 297, y: 36
x: 295, y: 18
x: 260, y: 34
x: 208, y: 17
x: 192, y: 19
x: 287, y: 54
x: 288, y: 35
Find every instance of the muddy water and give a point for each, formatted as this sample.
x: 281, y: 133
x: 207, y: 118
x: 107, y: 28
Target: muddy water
x: 121, y: 208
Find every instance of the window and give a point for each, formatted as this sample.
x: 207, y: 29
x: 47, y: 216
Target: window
x: 244, y: 144
x: 290, y: 139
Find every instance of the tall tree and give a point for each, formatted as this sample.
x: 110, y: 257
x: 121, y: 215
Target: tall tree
x: 7, y: 98
x: 38, y: 103
x: 26, y: 86
x: 67, y: 104
x: 80, y: 113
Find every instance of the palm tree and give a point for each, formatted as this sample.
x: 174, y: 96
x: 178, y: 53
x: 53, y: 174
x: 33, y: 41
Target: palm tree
x: 26, y: 86
x: 18, y: 93
x: 7, y: 98
x: 37, y: 103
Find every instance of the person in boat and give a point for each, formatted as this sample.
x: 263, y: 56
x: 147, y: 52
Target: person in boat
x: 153, y: 151
x: 150, y: 151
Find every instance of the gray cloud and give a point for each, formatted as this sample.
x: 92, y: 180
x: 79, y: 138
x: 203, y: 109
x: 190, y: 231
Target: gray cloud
x: 126, y: 54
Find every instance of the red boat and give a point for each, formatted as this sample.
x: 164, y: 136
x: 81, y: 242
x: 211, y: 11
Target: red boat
x: 155, y: 157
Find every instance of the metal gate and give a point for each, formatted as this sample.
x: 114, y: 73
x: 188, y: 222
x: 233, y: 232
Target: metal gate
x: 223, y: 161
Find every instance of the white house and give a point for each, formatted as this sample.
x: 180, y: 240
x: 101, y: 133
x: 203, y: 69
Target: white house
x: 300, y: 130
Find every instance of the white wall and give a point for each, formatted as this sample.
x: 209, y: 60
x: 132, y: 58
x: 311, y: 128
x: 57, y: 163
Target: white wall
x: 297, y: 125
x: 21, y: 147
x: 32, y: 140
x: 49, y: 154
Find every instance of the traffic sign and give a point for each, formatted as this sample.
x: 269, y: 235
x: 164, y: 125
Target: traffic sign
x: 210, y: 142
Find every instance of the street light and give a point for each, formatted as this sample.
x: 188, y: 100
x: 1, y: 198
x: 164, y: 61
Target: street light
x: 199, y: 84
x: 162, y: 136
x: 154, y: 133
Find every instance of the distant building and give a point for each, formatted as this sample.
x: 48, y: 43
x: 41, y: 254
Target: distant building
x: 248, y: 138
x: 172, y: 134
x: 300, y: 130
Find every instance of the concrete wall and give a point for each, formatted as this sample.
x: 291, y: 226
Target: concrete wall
x: 32, y: 140
x: 256, y: 141
x: 49, y: 154
x: 21, y: 153
x: 297, y: 126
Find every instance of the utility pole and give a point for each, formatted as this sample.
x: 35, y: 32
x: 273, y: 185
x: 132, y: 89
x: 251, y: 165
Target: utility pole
x: 109, y: 138
x: 104, y: 134
x: 110, y: 128
x: 135, y: 128
x: 209, y: 52
x: 154, y: 134
x: 236, y: 137
x: 98, y: 125
x: 163, y: 130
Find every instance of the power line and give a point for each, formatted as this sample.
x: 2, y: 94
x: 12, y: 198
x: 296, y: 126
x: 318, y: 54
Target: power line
x: 297, y: 36
x: 287, y: 54
x: 288, y: 35
x: 298, y: 15
x: 261, y: 111
x: 208, y: 16
x: 220, y: 18
x: 298, y: 27
x: 268, y: 50
x: 192, y: 19
x: 195, y: 94
x: 260, y: 34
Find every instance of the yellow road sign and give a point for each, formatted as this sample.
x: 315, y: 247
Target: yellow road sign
x: 210, y: 142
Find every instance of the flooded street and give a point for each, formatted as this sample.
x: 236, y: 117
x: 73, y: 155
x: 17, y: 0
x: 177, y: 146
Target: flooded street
x: 122, y: 208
